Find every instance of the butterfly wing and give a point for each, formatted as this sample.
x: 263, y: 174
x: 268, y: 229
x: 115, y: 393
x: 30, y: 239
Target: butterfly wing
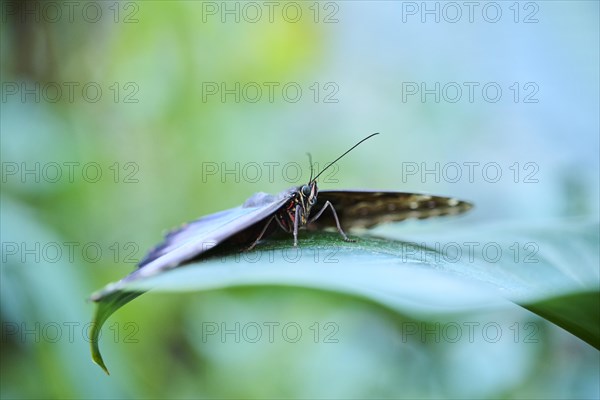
x: 203, y: 234
x: 364, y: 209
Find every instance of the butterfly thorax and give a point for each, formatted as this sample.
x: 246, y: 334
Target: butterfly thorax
x: 301, y: 200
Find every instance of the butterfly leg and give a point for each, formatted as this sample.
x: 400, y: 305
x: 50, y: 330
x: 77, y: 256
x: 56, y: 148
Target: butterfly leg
x: 262, y: 232
x: 337, y: 221
x: 274, y: 217
x: 296, y: 218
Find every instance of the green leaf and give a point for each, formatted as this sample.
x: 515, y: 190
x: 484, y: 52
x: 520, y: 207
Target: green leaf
x: 109, y: 304
x: 578, y: 313
x: 546, y: 272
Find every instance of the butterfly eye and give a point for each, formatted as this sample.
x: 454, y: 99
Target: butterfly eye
x: 306, y: 190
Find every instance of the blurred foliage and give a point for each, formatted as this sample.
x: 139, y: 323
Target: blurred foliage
x: 152, y: 154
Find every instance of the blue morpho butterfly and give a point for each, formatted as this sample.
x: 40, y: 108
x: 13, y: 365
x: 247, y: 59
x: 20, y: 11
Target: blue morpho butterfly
x: 295, y: 208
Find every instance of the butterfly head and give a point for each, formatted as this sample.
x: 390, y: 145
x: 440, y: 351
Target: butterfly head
x: 306, y: 196
x: 307, y: 199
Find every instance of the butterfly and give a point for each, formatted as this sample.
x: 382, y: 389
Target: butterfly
x: 295, y: 208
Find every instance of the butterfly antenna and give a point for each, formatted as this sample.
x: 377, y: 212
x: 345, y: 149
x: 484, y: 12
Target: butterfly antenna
x: 311, y: 166
x: 337, y: 159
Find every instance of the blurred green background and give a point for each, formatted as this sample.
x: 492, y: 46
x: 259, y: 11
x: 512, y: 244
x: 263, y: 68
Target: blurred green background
x: 115, y: 114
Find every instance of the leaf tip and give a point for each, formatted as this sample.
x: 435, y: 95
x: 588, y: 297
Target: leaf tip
x: 97, y: 358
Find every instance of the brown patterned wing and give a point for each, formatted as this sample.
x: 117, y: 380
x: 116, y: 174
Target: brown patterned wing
x: 363, y: 209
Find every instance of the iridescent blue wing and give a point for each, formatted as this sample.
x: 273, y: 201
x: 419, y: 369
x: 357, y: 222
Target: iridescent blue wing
x: 365, y: 209
x: 238, y: 224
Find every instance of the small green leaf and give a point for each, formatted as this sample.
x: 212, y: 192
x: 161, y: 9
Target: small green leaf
x: 109, y: 304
